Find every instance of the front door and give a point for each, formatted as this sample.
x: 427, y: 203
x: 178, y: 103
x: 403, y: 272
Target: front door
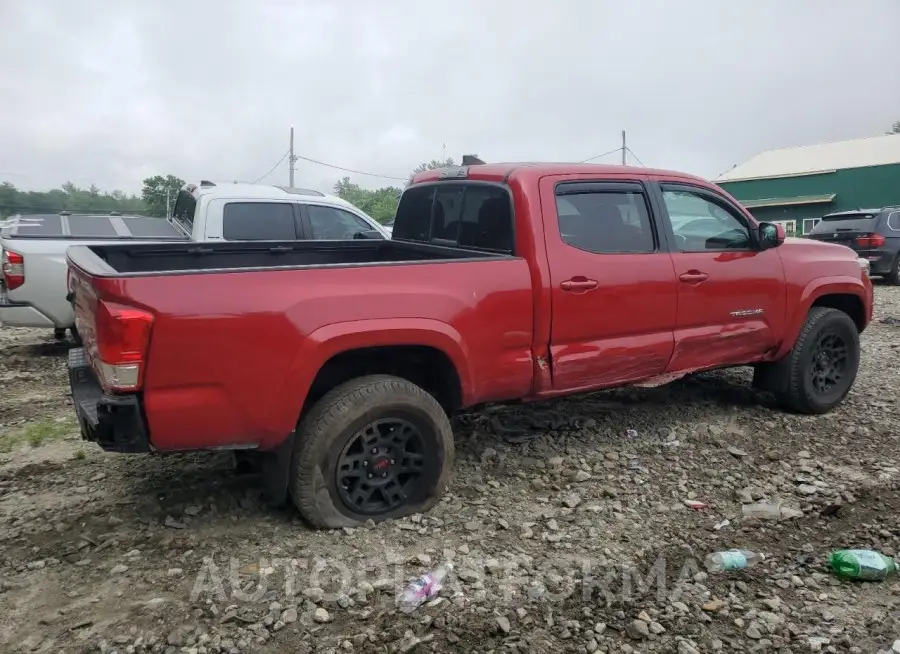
x: 731, y: 295
x: 613, y: 285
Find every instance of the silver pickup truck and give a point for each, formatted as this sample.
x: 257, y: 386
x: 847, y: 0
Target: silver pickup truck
x: 33, y: 272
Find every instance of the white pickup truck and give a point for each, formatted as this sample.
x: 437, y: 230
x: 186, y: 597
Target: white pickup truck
x: 33, y: 271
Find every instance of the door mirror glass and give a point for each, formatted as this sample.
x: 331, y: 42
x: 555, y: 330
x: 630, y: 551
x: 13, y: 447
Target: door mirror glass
x: 770, y: 235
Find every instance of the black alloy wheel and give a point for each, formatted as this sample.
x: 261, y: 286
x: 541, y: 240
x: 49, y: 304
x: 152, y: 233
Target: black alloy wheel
x: 381, y: 466
x: 829, y: 363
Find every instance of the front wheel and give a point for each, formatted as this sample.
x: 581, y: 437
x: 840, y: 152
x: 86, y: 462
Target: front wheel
x: 373, y: 448
x: 822, y: 366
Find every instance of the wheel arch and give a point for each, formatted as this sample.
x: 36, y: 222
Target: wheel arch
x: 426, y: 352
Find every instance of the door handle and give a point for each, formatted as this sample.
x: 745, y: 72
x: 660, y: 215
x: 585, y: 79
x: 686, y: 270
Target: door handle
x: 578, y: 284
x: 693, y: 277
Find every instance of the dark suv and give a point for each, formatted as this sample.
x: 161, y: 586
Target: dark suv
x: 874, y: 234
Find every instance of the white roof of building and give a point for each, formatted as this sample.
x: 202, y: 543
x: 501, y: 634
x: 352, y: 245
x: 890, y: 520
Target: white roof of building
x: 811, y: 159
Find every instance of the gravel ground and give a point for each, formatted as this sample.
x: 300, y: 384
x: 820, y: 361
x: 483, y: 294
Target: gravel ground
x: 567, y: 523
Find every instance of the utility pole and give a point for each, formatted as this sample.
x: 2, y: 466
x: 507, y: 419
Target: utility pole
x: 291, y: 161
x: 168, y: 210
x: 624, y: 149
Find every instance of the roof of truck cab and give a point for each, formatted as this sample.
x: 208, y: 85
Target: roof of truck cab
x: 263, y: 191
x: 501, y: 172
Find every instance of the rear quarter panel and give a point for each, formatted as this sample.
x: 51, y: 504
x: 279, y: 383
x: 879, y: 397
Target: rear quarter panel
x: 45, y: 278
x: 232, y: 355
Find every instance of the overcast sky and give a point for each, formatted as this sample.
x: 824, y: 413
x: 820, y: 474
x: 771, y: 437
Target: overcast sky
x: 111, y: 92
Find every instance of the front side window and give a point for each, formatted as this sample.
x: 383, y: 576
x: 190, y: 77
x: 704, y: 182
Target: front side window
x: 259, y: 221
x: 333, y: 224
x: 701, y: 224
x: 605, y: 222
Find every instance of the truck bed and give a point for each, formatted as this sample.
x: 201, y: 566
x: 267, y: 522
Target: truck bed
x: 132, y: 259
x: 90, y: 227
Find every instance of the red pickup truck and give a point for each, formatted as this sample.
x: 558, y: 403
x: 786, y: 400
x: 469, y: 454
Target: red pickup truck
x: 342, y: 360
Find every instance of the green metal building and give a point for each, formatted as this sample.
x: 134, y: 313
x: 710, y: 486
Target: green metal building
x: 797, y: 186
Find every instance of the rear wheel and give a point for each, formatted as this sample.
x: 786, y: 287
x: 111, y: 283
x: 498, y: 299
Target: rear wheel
x: 893, y: 276
x: 822, y: 366
x: 374, y: 448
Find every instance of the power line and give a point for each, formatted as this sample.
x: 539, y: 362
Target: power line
x: 597, y: 156
x: 272, y: 170
x: 348, y: 170
x: 635, y: 157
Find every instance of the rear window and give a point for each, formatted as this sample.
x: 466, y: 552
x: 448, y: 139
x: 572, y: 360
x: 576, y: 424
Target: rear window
x: 259, y: 221
x: 469, y: 215
x: 183, y: 212
x: 846, y: 222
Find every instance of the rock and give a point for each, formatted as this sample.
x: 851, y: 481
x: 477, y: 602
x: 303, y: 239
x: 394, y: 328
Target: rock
x: 572, y: 500
x: 314, y: 595
x: 753, y: 631
x: 33, y: 642
x: 684, y: 647
x: 737, y: 452
x: 174, y: 572
x: 657, y: 628
x: 714, y: 605
x: 172, y: 523
x: 637, y: 630
x: 582, y: 476
x: 503, y: 624
x: 289, y: 616
x: 119, y: 569
x: 321, y: 616
x: 177, y: 638
x: 896, y: 646
x: 193, y: 510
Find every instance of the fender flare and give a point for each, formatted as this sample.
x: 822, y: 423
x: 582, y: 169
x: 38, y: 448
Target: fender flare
x: 335, y: 338
x: 817, y: 288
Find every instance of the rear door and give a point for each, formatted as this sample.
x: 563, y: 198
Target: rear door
x: 731, y: 295
x: 613, y: 285
x: 253, y: 220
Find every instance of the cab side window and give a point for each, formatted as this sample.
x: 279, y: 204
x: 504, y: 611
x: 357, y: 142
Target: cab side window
x: 259, y: 221
x: 605, y: 220
x: 701, y: 223
x: 333, y: 224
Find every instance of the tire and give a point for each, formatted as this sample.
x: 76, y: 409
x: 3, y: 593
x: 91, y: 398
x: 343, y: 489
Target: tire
x: 346, y: 417
x: 893, y: 276
x: 802, y: 392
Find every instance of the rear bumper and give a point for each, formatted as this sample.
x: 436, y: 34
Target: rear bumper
x: 115, y: 422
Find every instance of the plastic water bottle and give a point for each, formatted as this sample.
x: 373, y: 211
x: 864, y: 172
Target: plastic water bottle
x: 732, y: 560
x: 866, y: 565
x: 423, y: 588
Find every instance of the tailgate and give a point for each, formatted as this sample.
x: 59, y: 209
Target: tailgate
x: 850, y: 229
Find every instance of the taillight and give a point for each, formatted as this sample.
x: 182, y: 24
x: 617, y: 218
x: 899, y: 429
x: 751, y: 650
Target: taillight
x: 122, y: 335
x: 13, y: 269
x: 870, y: 240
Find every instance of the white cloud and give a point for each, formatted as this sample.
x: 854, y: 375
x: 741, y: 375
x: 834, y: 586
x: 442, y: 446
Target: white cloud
x: 110, y: 93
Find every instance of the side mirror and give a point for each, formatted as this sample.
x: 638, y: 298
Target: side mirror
x: 369, y: 234
x: 770, y: 235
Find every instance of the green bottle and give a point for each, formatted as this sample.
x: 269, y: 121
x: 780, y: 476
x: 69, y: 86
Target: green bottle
x: 862, y: 564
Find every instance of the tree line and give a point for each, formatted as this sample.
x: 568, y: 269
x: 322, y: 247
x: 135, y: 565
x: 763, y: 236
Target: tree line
x: 158, y: 195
